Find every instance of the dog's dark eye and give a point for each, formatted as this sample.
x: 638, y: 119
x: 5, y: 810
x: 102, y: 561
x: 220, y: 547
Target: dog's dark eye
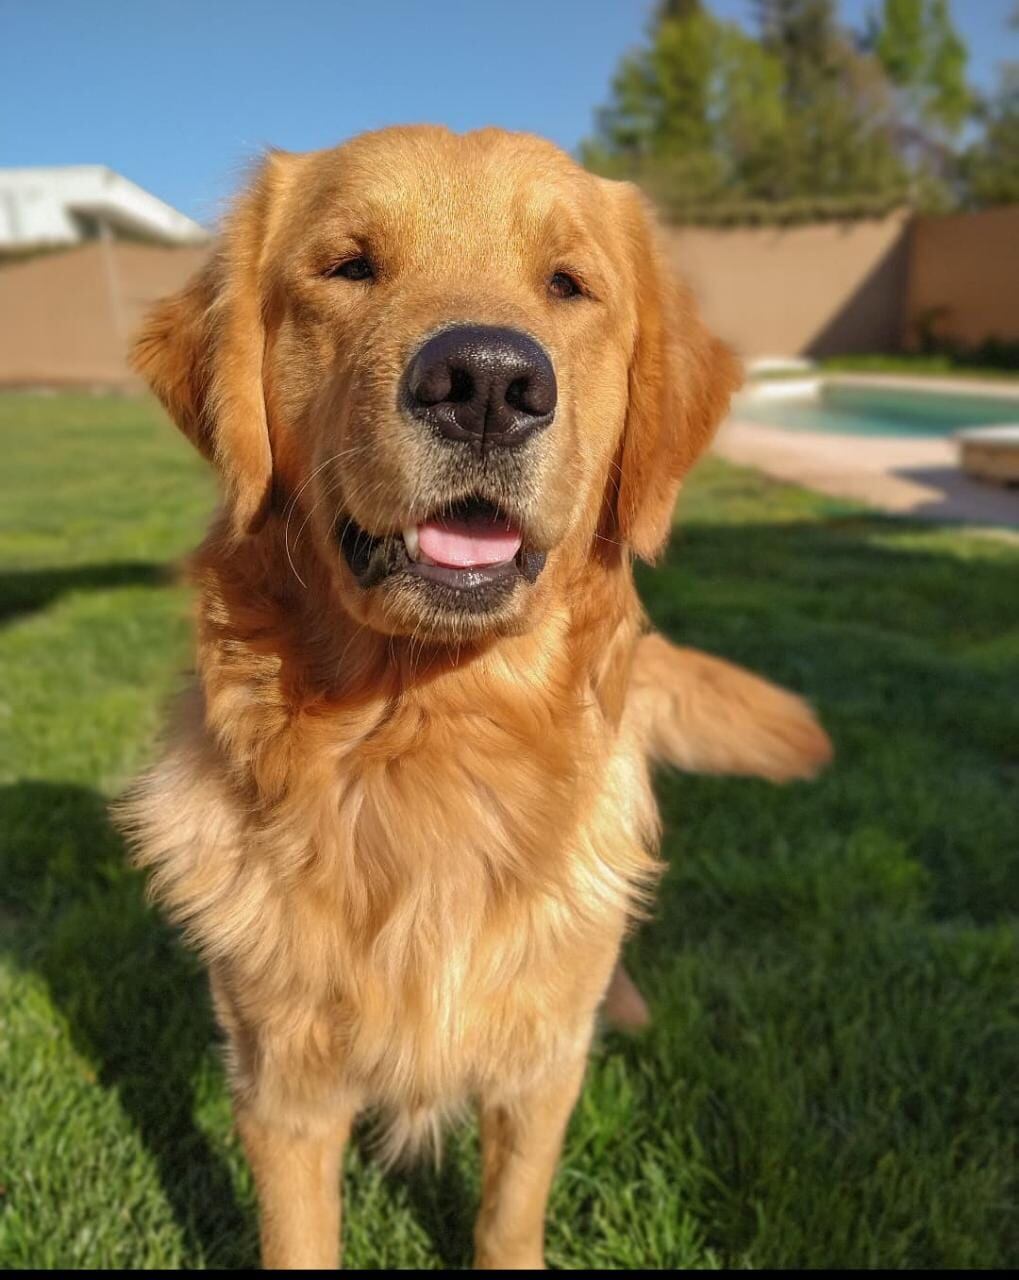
x: 563, y: 285
x: 353, y: 269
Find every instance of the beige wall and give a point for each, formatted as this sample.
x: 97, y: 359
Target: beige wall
x: 966, y: 266
x: 820, y: 289
x: 58, y: 323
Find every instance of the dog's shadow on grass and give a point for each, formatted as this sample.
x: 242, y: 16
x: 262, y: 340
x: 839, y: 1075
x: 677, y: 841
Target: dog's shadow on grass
x: 27, y: 591
x: 137, y: 1006
x: 439, y: 1198
x: 923, y: 661
x: 135, y: 1002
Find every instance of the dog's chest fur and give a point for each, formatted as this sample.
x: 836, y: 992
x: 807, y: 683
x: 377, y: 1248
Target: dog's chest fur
x: 413, y: 900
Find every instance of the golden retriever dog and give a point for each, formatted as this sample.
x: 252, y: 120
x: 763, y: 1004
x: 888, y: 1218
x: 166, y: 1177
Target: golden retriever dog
x: 405, y: 813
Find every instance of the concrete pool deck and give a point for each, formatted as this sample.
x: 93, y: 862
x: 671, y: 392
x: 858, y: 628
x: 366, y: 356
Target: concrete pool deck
x: 916, y: 476
x: 909, y: 477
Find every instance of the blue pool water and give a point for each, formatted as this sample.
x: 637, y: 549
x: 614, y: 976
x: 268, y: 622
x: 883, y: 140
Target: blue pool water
x: 881, y: 411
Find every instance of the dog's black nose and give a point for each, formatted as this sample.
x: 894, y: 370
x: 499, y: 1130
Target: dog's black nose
x: 481, y: 384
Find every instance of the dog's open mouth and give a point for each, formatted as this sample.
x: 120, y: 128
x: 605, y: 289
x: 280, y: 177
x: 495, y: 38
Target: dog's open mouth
x: 470, y: 551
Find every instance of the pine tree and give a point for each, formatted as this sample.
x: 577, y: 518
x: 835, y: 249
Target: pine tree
x: 658, y: 124
x: 925, y: 58
x: 801, y: 33
x: 670, y: 10
x: 837, y: 141
x: 709, y: 117
x: 990, y: 167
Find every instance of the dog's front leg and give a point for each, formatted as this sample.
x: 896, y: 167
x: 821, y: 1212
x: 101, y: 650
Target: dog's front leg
x: 298, y: 1180
x: 520, y: 1143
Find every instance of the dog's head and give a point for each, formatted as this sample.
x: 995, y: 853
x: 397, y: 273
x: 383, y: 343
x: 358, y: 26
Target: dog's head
x: 451, y: 364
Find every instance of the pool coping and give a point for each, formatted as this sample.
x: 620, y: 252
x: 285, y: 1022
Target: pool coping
x: 809, y: 382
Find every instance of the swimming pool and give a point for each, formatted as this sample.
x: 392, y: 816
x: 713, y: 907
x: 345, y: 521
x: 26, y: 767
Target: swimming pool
x: 872, y: 409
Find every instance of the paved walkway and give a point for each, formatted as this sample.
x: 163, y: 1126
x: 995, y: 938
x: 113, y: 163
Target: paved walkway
x: 919, y: 477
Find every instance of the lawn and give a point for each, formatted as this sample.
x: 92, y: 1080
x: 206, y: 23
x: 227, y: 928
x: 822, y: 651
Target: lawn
x: 833, y: 968
x: 907, y: 366
x: 939, y: 366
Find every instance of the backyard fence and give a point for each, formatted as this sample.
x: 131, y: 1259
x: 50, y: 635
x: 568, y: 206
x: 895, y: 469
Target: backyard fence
x: 828, y: 288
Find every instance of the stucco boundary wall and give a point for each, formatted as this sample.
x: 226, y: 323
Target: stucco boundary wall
x: 826, y: 288
x: 66, y: 318
x: 964, y: 276
x: 829, y: 288
x: 837, y: 288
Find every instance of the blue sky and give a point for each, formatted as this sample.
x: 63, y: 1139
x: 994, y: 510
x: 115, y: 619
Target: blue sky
x: 179, y: 94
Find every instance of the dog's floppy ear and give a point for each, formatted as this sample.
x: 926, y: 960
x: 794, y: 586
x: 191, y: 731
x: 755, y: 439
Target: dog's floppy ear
x: 680, y: 381
x: 201, y: 351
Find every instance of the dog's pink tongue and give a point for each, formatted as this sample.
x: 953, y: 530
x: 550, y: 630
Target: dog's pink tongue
x: 468, y: 544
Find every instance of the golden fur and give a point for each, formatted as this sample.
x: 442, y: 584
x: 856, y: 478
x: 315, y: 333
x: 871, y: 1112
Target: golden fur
x: 408, y: 843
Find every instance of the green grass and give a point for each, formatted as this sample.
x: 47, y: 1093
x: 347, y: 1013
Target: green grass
x: 918, y: 366
x: 946, y: 366
x: 831, y: 1078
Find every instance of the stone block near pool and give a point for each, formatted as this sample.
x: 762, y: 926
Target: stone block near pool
x: 990, y: 453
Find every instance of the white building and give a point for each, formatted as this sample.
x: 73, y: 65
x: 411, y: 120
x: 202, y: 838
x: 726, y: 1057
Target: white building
x: 69, y: 204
